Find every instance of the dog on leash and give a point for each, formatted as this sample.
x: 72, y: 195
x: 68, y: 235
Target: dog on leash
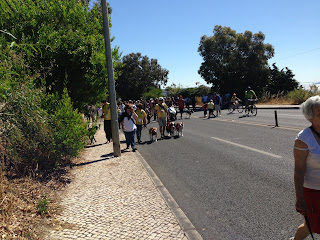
x: 153, y: 132
x: 189, y: 112
x: 170, y: 128
x: 179, y: 129
x: 91, y: 132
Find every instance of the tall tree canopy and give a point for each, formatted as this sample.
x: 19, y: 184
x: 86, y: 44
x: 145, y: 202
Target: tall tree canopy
x: 232, y: 61
x: 65, y: 45
x: 138, y: 75
x: 281, y: 80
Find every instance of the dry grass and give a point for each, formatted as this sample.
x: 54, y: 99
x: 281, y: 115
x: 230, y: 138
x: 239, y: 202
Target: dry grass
x: 19, y: 217
x: 277, y: 101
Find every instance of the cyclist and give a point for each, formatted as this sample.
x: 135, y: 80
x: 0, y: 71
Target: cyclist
x: 249, y: 94
x: 234, y: 100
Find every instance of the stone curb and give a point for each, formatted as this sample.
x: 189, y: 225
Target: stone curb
x: 278, y: 107
x: 186, y: 225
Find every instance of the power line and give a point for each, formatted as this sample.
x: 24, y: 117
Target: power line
x: 299, y: 54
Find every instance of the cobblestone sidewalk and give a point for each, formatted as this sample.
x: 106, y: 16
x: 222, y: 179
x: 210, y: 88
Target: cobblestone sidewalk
x: 114, y: 198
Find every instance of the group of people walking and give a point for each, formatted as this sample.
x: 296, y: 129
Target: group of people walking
x: 133, y: 116
x: 214, y: 103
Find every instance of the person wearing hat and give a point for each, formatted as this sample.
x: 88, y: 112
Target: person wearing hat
x: 161, y: 110
x: 107, y: 120
x: 181, y: 104
x: 210, y: 108
x: 234, y: 100
x: 249, y: 94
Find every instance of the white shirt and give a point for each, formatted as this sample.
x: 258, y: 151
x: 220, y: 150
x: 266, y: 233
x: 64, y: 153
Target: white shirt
x: 128, y: 124
x: 312, y: 175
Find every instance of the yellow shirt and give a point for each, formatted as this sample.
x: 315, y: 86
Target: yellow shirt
x: 210, y: 105
x: 106, y: 112
x: 161, y: 111
x: 141, y: 115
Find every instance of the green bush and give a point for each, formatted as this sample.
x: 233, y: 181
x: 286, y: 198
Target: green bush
x: 36, y: 135
x: 69, y: 129
x: 298, y: 96
x: 43, y: 206
x: 24, y: 133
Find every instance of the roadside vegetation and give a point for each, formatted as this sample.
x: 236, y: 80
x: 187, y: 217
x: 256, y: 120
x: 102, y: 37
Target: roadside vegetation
x: 52, y: 66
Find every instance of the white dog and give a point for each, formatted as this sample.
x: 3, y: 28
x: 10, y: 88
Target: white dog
x: 179, y: 129
x: 153, y: 132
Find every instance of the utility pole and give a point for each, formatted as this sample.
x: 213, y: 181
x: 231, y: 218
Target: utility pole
x: 112, y: 89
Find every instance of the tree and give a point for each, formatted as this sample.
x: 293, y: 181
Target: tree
x: 66, y: 46
x: 232, y: 61
x: 138, y: 75
x: 173, y: 90
x: 281, y: 81
x: 202, y: 90
x: 153, y: 93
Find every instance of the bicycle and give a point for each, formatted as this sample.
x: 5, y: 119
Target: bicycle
x: 237, y: 105
x: 251, y: 107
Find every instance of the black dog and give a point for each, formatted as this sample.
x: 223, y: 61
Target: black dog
x: 189, y: 112
x: 91, y: 132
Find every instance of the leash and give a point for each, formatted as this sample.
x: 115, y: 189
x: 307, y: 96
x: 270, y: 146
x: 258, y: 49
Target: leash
x: 308, y: 224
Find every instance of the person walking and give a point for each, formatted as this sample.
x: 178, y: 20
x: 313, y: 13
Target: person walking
x: 107, y: 120
x: 307, y: 170
x: 128, y: 124
x: 205, y: 109
x: 217, y: 104
x: 161, y: 110
x: 187, y: 102
x: 141, y: 120
x: 210, y: 108
x: 193, y: 102
x: 181, y: 104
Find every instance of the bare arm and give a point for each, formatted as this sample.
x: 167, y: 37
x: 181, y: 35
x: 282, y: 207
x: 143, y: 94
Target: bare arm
x: 135, y: 116
x: 300, y: 159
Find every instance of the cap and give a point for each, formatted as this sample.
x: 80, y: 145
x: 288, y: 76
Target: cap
x: 160, y: 98
x: 234, y: 94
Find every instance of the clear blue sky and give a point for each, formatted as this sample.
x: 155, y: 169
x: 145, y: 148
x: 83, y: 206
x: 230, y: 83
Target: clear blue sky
x: 170, y: 31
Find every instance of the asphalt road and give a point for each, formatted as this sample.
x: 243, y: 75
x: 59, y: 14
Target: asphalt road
x: 232, y: 175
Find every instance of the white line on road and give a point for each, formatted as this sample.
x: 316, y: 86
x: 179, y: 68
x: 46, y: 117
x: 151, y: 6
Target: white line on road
x: 249, y: 148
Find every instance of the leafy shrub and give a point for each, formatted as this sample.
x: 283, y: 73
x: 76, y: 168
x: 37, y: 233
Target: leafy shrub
x: 43, y: 206
x: 298, y: 96
x: 24, y: 133
x: 69, y: 129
